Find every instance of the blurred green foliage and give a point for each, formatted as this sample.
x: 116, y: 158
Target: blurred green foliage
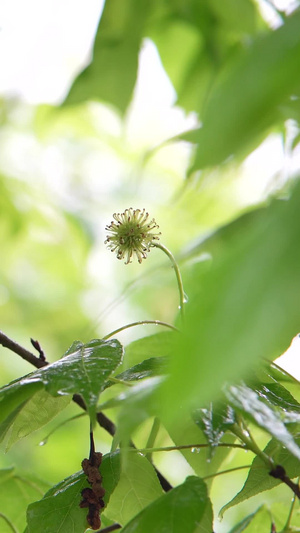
x: 64, y: 170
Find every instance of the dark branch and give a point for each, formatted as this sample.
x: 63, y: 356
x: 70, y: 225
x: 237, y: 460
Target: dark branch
x: 108, y: 529
x: 165, y: 485
x: 102, y: 419
x: 279, y: 473
x: 22, y: 352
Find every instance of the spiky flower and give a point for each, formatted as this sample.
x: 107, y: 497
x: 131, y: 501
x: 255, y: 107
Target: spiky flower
x: 131, y: 233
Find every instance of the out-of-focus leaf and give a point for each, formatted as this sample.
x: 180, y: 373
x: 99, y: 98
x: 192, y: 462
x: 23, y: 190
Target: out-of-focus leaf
x: 158, y: 345
x: 138, y: 486
x: 214, y: 421
x: 138, y: 403
x: 238, y: 16
x: 244, y: 306
x: 186, y: 432
x: 259, y: 480
x: 112, y: 74
x: 264, y: 414
x: 59, y: 509
x: 155, y: 366
x: 17, y: 491
x: 245, y: 102
x: 180, y: 509
x: 195, y: 40
x: 260, y: 520
x: 36, y: 412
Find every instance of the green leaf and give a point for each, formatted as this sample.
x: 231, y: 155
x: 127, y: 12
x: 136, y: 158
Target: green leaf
x: 260, y: 520
x: 264, y: 415
x: 34, y: 414
x: 180, y: 509
x: 206, y: 521
x: 138, y: 486
x: 59, y: 509
x: 110, y: 472
x: 214, y: 421
x: 155, y: 366
x: 245, y: 101
x: 186, y: 432
x: 112, y: 74
x: 259, y: 480
x: 233, y: 315
x: 83, y: 370
x: 195, y: 40
x: 138, y: 403
x: 17, y: 392
x: 158, y: 345
x: 17, y: 491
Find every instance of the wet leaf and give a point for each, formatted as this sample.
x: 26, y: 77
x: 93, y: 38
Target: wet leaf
x: 264, y: 414
x: 214, y: 421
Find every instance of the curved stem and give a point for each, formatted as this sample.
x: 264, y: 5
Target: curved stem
x: 139, y: 323
x: 226, y: 471
x: 9, y: 523
x: 178, y: 276
x: 251, y: 445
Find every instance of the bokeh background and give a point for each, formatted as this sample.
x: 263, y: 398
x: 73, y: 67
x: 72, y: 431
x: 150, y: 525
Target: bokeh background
x: 66, y: 166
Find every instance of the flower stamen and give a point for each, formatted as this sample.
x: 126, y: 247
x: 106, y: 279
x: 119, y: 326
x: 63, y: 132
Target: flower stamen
x: 131, y: 234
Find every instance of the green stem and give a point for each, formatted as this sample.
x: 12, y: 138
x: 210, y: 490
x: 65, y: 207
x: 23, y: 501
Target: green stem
x: 121, y: 382
x: 45, y: 440
x: 289, y: 518
x: 152, y: 437
x: 178, y: 276
x: 9, y: 523
x: 226, y: 471
x: 186, y: 447
x: 251, y: 445
x: 139, y: 323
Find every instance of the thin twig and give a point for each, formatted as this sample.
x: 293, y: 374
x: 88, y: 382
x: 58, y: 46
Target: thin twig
x: 187, y: 447
x: 22, y: 352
